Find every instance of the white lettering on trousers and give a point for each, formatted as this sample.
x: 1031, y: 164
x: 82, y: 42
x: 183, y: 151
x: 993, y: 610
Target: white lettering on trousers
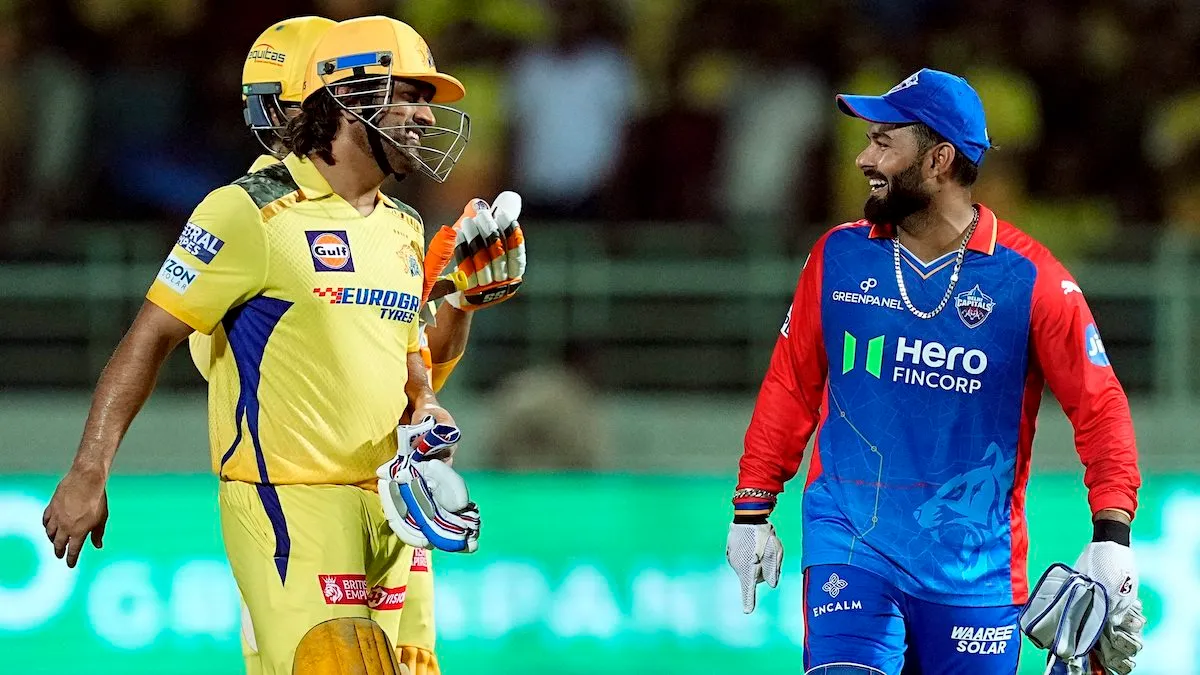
x: 820, y: 610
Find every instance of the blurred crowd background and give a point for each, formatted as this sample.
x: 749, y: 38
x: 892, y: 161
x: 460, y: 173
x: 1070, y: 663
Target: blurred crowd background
x: 677, y: 158
x: 607, y: 111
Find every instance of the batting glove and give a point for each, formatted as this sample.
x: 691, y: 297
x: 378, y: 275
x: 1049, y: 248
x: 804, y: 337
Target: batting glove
x: 753, y: 550
x: 426, y: 502
x: 489, y: 252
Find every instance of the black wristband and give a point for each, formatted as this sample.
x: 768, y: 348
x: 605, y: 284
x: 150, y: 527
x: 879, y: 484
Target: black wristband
x: 1110, y: 530
x: 750, y: 520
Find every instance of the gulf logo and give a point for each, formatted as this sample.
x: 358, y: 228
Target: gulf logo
x: 330, y: 251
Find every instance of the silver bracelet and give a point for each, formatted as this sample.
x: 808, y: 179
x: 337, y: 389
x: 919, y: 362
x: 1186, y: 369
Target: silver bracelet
x: 754, y: 492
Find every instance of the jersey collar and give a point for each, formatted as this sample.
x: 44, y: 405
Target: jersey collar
x: 310, y: 181
x: 313, y: 184
x: 983, y: 241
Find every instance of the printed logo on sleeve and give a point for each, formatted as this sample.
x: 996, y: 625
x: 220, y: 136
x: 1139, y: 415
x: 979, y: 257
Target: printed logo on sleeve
x: 1094, y: 346
x: 343, y: 589
x: 384, y: 598
x: 176, y: 274
x: 787, y: 323
x: 199, y: 242
x: 330, y: 251
x: 420, y: 561
x: 1069, y: 287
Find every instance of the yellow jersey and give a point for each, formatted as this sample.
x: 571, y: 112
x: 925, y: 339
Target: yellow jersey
x: 313, y: 310
x: 199, y: 344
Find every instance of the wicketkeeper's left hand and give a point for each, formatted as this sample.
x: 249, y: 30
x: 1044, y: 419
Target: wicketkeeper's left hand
x: 426, y: 502
x: 489, y: 251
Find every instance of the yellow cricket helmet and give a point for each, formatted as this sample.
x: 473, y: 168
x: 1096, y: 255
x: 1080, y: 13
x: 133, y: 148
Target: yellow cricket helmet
x: 273, y: 75
x: 356, y: 62
x: 377, y: 45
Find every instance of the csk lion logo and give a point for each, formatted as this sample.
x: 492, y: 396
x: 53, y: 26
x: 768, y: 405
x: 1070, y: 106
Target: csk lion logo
x: 332, y: 589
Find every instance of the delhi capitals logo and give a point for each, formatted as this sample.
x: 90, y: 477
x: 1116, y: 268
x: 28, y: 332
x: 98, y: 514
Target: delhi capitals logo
x: 974, y: 306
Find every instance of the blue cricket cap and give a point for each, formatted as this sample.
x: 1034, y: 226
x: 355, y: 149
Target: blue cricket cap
x: 944, y: 102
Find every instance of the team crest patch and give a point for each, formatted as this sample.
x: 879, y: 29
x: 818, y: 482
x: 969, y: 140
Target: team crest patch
x: 330, y: 251
x: 414, y: 267
x: 910, y: 81
x: 974, y: 306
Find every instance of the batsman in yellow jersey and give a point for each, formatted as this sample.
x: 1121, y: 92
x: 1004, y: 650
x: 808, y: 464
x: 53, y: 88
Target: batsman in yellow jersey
x: 272, y: 86
x: 311, y: 282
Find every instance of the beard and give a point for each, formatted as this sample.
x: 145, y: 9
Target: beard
x: 400, y: 161
x: 904, y: 198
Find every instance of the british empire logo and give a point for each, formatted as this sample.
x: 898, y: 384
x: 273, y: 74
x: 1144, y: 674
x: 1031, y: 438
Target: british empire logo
x: 974, y: 306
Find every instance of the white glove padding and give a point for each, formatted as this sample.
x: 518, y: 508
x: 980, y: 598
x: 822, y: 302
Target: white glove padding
x: 756, y: 555
x: 1111, y: 565
x: 426, y: 502
x: 1066, y: 613
x: 489, y: 251
x: 1122, y: 641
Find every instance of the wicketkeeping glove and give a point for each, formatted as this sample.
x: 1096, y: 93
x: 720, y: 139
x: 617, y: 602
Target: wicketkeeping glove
x: 426, y: 502
x: 1065, y: 614
x: 1112, y: 565
x: 489, y: 250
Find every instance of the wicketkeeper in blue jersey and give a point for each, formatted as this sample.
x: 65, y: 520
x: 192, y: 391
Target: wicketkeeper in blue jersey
x: 916, y: 347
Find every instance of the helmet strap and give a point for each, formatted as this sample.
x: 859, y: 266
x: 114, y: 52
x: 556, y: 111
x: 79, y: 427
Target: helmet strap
x: 377, y: 151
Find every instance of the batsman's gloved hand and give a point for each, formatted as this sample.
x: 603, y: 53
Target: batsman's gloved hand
x: 489, y: 251
x: 753, y: 550
x: 426, y: 502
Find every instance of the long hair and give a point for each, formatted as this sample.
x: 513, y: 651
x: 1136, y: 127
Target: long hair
x: 312, y: 131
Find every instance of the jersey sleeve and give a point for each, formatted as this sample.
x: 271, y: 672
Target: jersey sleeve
x: 1071, y: 357
x: 789, y: 400
x: 416, y: 339
x: 219, y: 261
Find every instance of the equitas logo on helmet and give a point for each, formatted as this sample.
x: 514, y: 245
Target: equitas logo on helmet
x: 273, y: 76
x: 357, y: 62
x: 265, y: 53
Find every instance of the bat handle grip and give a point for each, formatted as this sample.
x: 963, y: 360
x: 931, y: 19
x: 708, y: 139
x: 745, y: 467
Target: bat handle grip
x: 458, y: 277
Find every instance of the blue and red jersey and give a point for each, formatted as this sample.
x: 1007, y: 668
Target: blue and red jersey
x: 924, y: 426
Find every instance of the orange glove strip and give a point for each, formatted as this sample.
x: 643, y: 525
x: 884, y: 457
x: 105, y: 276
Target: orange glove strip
x: 437, y: 256
x: 515, y: 239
